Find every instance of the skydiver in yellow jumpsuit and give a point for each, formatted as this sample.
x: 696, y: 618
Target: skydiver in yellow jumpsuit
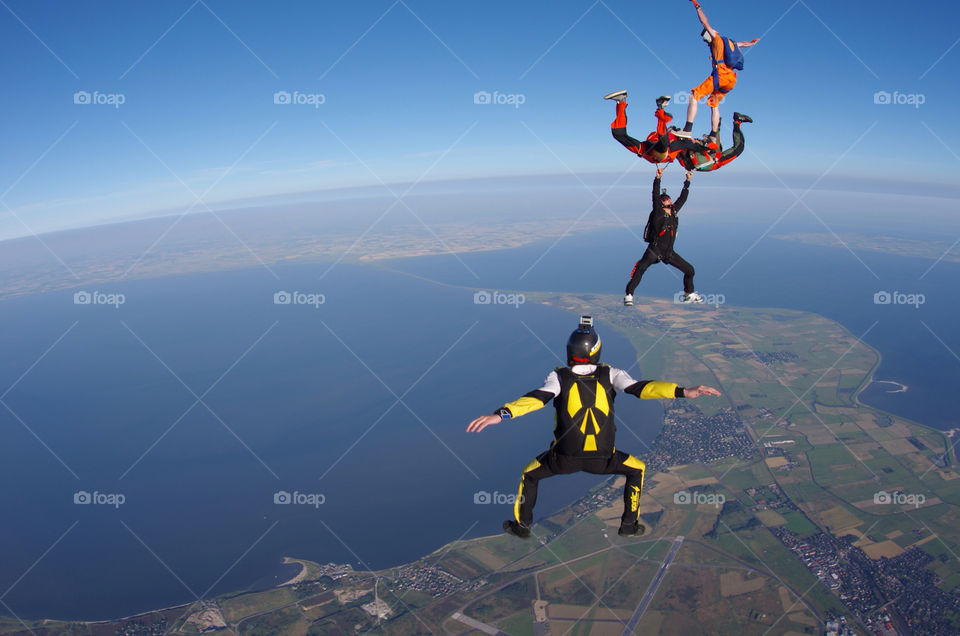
x: 583, y: 394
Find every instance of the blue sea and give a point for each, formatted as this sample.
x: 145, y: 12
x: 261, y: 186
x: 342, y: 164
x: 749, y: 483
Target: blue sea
x: 199, y: 401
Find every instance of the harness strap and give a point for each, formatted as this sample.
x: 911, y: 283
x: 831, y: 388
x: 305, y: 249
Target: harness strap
x: 716, y: 72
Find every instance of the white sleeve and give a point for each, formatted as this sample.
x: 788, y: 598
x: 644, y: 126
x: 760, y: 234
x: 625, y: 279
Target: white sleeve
x: 620, y: 379
x: 552, y: 384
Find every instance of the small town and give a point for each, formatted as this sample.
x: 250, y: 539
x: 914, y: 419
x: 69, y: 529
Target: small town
x: 889, y: 595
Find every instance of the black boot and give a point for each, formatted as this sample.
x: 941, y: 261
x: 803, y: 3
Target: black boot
x: 634, y: 529
x: 743, y: 119
x: 512, y: 527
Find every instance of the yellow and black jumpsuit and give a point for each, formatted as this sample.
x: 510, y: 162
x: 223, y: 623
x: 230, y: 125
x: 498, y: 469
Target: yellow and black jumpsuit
x: 585, y: 430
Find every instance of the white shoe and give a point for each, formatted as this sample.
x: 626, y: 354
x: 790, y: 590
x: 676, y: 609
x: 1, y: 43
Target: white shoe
x: 628, y: 300
x: 692, y: 297
x: 617, y: 96
x: 684, y: 134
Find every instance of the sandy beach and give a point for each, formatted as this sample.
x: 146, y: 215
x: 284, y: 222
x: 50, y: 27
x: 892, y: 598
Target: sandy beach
x: 301, y: 575
x: 900, y: 387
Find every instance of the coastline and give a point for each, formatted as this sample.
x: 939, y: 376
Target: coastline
x: 305, y: 566
x: 870, y: 379
x: 308, y: 568
x: 300, y: 576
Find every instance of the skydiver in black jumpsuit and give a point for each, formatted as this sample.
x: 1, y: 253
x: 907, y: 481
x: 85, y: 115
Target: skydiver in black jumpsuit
x: 660, y: 235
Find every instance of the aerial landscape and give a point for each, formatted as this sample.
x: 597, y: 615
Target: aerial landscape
x: 784, y: 506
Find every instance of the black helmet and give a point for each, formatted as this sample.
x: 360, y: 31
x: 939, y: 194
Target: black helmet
x: 584, y: 344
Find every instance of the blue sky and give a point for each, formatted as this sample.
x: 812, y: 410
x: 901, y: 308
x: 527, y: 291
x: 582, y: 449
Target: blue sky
x: 398, y: 79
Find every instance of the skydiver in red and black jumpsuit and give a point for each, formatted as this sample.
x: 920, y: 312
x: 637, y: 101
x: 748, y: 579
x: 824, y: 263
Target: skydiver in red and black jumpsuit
x: 713, y: 156
x: 661, y: 146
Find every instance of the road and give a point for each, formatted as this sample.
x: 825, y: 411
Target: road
x: 654, y: 585
x: 474, y: 623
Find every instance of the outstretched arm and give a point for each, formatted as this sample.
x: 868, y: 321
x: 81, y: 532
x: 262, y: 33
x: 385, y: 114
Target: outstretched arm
x: 748, y: 43
x: 683, y: 193
x: 657, y: 203
x: 655, y: 389
x: 704, y: 21
x: 531, y: 401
